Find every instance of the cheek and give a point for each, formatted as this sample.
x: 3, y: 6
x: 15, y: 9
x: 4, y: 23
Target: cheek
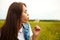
x: 25, y: 18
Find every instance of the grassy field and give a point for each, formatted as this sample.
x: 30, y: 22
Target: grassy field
x: 50, y: 30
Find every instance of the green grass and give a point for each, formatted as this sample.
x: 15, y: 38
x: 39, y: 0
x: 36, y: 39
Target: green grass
x: 1, y: 23
x: 50, y: 30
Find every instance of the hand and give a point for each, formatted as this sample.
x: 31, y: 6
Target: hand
x: 36, y: 30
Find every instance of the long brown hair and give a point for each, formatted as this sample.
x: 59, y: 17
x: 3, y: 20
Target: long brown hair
x: 9, y: 31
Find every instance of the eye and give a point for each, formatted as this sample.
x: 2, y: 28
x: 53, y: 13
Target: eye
x: 25, y: 11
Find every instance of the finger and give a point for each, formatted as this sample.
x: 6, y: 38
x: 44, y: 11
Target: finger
x: 37, y: 28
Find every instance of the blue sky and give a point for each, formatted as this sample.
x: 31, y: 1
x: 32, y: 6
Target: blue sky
x: 37, y: 9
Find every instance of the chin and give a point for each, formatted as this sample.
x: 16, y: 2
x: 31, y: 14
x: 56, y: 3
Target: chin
x: 25, y: 22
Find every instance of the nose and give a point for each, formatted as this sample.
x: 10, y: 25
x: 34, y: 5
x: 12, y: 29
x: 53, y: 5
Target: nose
x: 27, y: 14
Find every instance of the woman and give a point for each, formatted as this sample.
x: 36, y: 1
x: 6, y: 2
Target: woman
x: 15, y: 27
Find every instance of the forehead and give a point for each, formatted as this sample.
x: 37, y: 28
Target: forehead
x: 24, y: 7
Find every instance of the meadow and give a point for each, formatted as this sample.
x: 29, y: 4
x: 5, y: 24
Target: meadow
x: 50, y: 29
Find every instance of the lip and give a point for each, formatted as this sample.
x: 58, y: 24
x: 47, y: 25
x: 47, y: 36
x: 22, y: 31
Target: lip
x: 28, y: 17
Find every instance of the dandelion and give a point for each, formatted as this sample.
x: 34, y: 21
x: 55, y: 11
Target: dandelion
x: 36, y: 21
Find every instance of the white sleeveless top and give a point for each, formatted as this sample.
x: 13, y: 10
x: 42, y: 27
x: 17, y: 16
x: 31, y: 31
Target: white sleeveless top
x: 21, y: 34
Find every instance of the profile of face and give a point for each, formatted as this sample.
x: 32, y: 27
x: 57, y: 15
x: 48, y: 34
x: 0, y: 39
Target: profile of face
x: 25, y: 15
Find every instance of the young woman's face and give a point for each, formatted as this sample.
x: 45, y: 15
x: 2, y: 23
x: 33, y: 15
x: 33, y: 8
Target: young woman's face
x: 25, y: 15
